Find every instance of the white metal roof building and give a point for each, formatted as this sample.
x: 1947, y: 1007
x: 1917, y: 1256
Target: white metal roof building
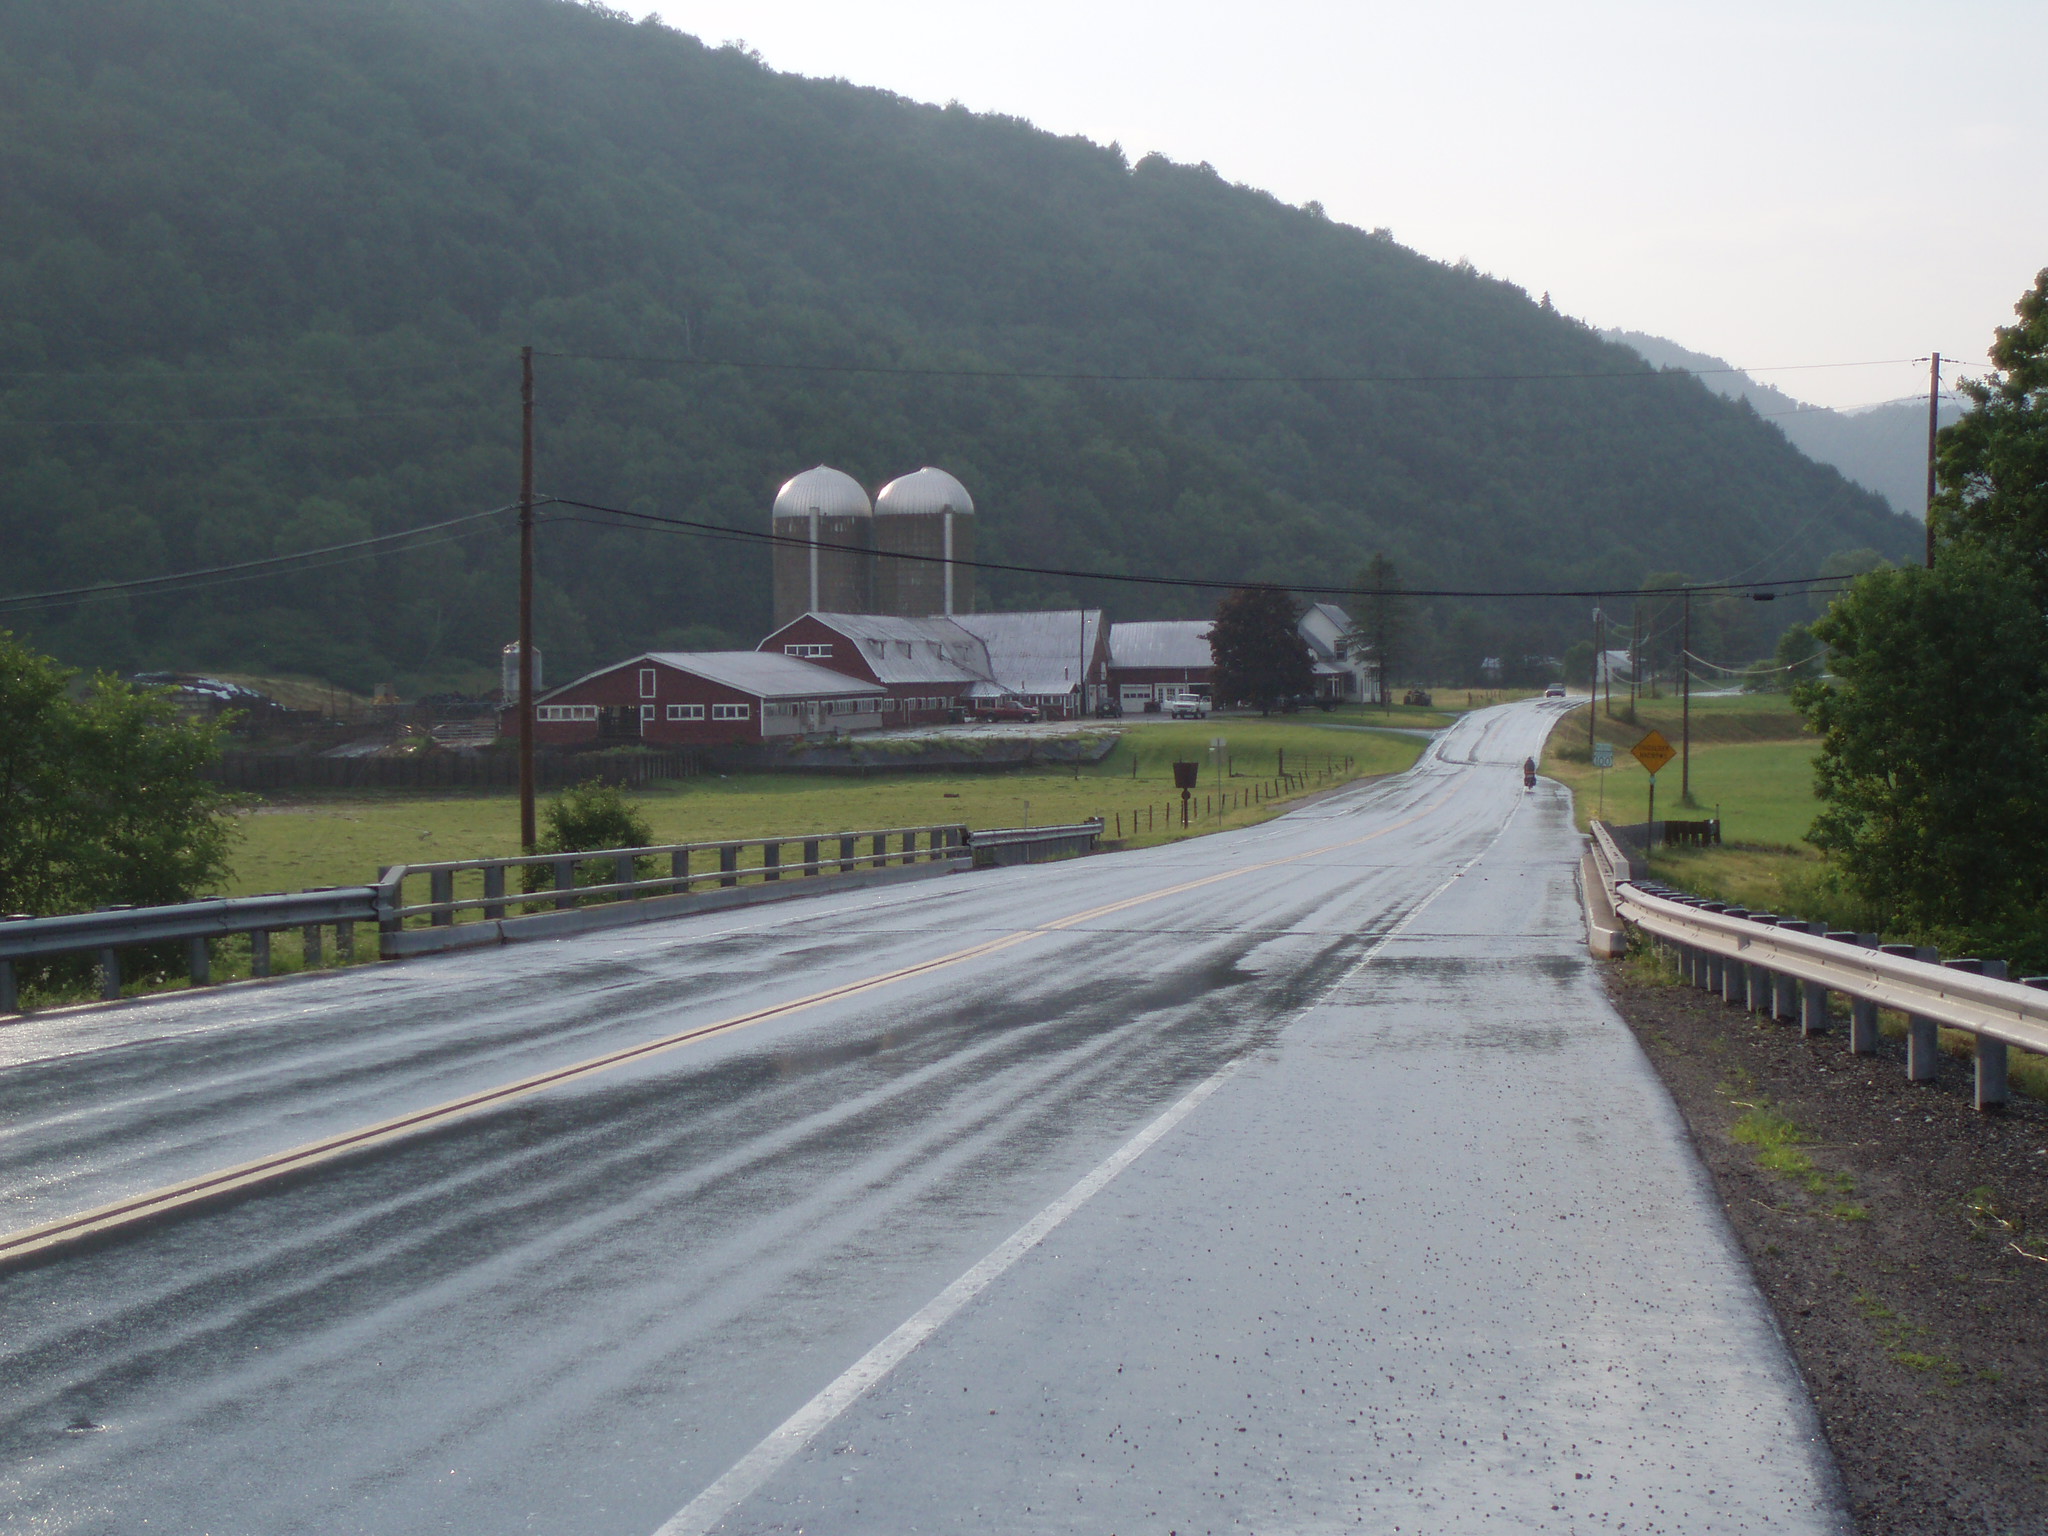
x: 1055, y: 658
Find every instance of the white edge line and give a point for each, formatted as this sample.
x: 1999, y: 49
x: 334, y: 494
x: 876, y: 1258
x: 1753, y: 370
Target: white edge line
x: 766, y: 1459
x: 747, y: 1475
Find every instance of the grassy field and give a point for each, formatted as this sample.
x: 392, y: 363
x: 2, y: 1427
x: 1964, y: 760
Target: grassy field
x: 344, y: 839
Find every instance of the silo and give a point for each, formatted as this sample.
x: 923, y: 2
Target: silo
x: 822, y: 506
x: 929, y: 514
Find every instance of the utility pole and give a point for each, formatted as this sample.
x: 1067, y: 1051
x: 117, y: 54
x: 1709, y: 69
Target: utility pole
x: 527, y: 837
x: 1933, y: 424
x: 1685, y: 705
x: 1593, y: 689
x: 1635, y: 652
x: 1606, y: 672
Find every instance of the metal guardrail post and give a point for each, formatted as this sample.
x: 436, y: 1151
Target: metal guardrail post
x: 771, y: 861
x: 10, y: 989
x: 878, y: 850
x: 1923, y: 1035
x: 1761, y: 981
x: 1785, y: 988
x: 494, y: 885
x: 259, y: 952
x: 1734, y: 974
x: 309, y: 947
x: 1863, y: 1012
x: 623, y: 873
x: 846, y: 846
x: 110, y: 974
x: 198, y: 961
x: 811, y: 864
x: 441, y: 888
x: 1993, y: 1083
x: 729, y: 864
x: 345, y: 943
x: 565, y: 884
x: 679, y: 870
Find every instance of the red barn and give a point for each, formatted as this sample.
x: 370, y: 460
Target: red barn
x: 704, y: 698
x: 925, y: 668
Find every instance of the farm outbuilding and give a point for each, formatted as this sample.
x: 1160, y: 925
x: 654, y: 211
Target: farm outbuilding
x: 704, y: 698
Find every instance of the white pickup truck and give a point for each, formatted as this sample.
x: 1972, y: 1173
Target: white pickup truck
x: 1188, y: 706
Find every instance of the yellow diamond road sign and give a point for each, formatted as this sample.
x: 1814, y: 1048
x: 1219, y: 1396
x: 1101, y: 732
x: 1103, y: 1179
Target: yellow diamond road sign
x: 1653, y: 751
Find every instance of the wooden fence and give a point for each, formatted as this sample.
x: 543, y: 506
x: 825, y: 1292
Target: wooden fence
x: 447, y: 770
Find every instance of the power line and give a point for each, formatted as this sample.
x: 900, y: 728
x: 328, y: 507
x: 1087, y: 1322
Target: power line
x: 207, y: 421
x: 1073, y: 376
x: 240, y: 569
x: 690, y: 527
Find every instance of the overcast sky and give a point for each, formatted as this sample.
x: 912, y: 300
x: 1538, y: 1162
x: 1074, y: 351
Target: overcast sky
x: 1805, y: 181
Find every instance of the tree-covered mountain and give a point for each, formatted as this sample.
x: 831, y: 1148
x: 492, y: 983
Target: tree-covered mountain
x: 266, y: 264
x: 1881, y: 447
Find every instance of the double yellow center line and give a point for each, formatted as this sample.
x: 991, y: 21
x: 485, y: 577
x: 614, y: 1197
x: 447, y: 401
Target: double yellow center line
x: 30, y: 1244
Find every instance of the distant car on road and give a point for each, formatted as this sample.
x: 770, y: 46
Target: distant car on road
x: 1188, y: 706
x: 1553, y: 693
x: 993, y: 709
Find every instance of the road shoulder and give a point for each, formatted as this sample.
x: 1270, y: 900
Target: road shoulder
x: 1901, y: 1239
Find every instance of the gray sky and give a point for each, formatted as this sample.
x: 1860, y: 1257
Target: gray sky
x: 1807, y: 181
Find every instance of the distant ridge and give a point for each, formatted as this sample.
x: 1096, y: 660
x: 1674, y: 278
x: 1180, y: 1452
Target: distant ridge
x: 1883, y: 448
x: 267, y: 264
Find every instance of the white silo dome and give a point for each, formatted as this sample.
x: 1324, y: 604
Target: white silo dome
x: 827, y: 491
x: 929, y: 490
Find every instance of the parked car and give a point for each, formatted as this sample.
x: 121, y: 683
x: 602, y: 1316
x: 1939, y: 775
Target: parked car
x: 1553, y: 693
x: 997, y: 709
x: 1188, y: 706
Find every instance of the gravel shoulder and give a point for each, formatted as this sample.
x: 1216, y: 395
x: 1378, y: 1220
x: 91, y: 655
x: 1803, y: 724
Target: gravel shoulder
x: 1902, y: 1240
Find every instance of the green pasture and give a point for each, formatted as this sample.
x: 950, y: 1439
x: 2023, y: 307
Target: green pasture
x: 343, y: 839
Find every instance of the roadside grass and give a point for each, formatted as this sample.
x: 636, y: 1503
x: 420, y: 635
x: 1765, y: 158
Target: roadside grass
x: 344, y: 838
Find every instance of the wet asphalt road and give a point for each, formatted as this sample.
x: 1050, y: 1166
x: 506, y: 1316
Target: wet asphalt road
x: 1435, y: 1256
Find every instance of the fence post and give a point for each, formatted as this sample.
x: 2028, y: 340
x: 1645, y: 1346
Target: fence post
x: 390, y: 902
x: 728, y: 864
x: 259, y: 952
x: 198, y: 963
x: 494, y: 886
x: 309, y: 946
x: 624, y: 873
x: 811, y: 857
x: 679, y: 871
x: 846, y: 854
x: 344, y: 943
x: 441, y: 888
x: 878, y: 850
x: 771, y: 861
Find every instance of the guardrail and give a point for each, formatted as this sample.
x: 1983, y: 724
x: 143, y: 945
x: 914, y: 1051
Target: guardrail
x: 716, y: 864
x: 477, y: 901
x: 1002, y: 846
x: 109, y: 931
x: 1786, y: 968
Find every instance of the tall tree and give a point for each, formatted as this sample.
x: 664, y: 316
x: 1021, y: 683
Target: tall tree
x: 1259, y: 653
x: 1380, y: 624
x: 1993, y: 464
x: 1934, y: 808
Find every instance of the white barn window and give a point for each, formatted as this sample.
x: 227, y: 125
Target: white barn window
x: 731, y: 711
x: 647, y: 682
x: 686, y: 711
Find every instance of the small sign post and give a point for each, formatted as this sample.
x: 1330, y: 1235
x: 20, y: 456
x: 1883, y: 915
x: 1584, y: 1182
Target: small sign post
x: 1184, y: 781
x: 1653, y: 752
x: 1603, y: 759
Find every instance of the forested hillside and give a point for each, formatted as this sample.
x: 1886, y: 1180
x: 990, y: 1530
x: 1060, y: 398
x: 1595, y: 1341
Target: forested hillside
x: 266, y: 265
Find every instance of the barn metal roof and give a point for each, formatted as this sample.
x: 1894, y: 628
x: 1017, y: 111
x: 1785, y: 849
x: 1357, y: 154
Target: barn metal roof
x: 1161, y: 643
x: 1037, y: 653
x: 765, y: 674
x: 908, y: 651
